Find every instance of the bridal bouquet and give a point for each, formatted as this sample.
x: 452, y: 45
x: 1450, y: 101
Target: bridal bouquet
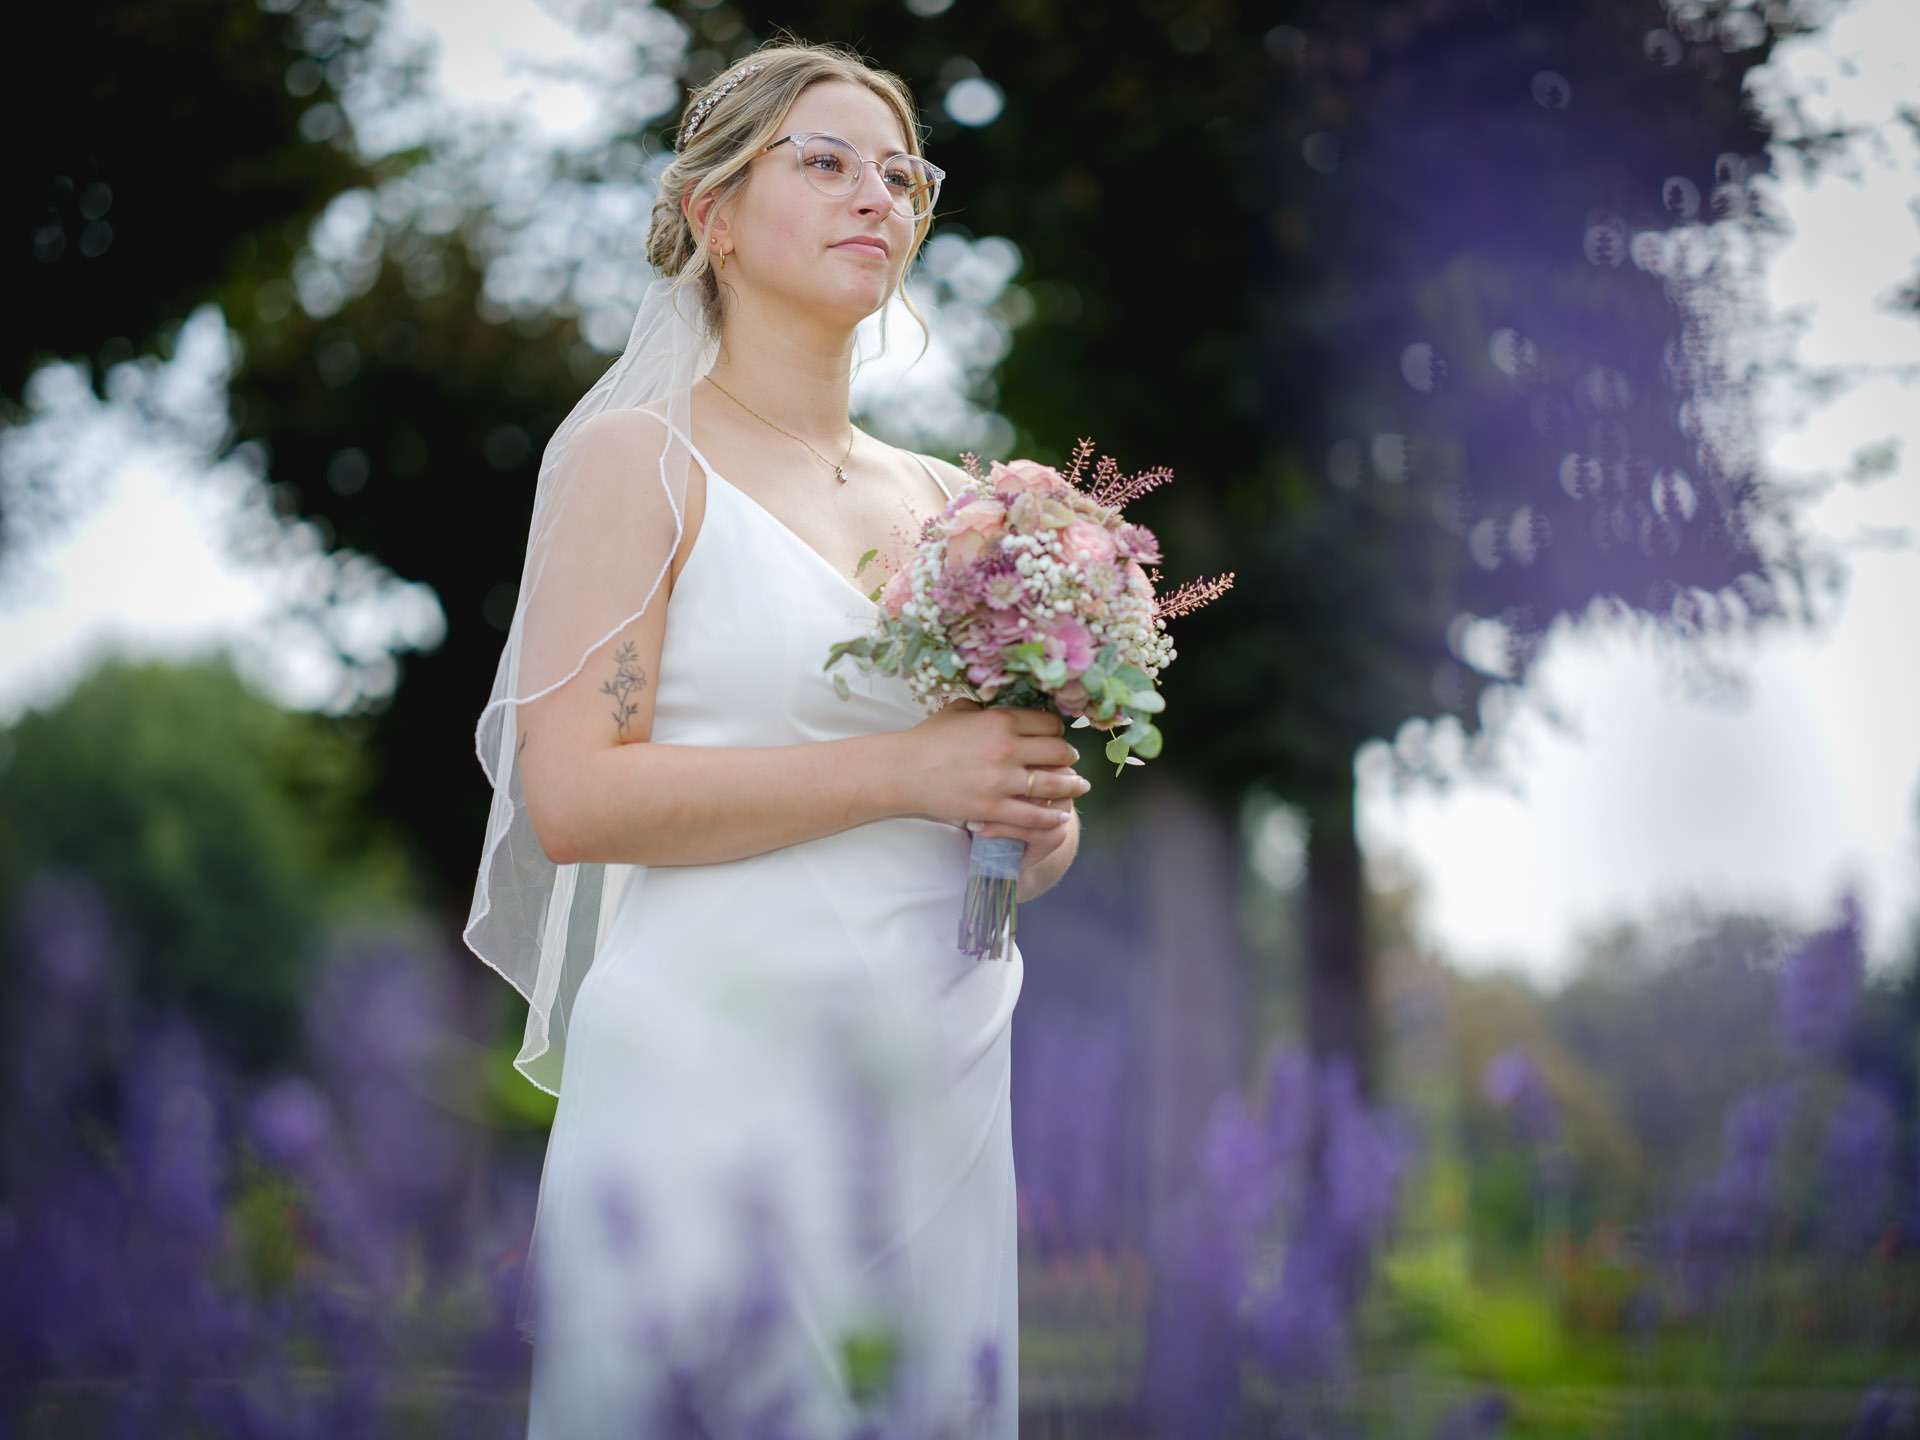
x: 1031, y: 589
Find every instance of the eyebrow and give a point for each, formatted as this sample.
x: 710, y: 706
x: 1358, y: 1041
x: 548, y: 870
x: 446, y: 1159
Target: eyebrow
x: 879, y: 152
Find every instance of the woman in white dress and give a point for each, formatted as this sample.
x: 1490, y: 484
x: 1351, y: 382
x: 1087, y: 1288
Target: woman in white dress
x: 779, y: 1192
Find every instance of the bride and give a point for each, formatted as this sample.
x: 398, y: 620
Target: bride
x: 779, y: 1190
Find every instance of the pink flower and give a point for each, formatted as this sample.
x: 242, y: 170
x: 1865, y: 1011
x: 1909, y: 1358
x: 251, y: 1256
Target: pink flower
x: 1003, y: 592
x: 1085, y: 541
x: 980, y: 513
x: 1072, y: 698
x: 1023, y: 477
x: 1138, y: 585
x: 1030, y: 514
x: 971, y: 528
x: 987, y: 677
x: 1137, y: 542
x: 898, y: 591
x: 1068, y: 640
x: 1105, y: 578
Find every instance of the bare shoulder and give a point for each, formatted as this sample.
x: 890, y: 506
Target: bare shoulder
x: 626, y: 429
x: 950, y: 474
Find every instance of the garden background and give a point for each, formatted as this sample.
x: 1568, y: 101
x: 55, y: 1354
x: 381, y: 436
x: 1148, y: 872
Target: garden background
x: 1495, y: 1013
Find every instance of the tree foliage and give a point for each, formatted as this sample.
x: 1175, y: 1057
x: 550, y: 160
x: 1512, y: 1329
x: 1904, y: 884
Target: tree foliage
x: 221, y: 831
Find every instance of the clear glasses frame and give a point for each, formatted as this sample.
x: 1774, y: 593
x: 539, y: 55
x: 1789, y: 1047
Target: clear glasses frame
x: 821, y: 183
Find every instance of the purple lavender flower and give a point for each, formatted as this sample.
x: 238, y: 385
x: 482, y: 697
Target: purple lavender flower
x: 1302, y: 1327
x: 289, y: 1118
x: 1481, y: 1418
x: 1068, y: 1138
x: 986, y: 1376
x: 1238, y: 1166
x: 1820, y: 987
x: 1887, y: 1412
x: 172, y: 1133
x: 1718, y: 1231
x: 1857, y: 1169
x: 1362, y: 1159
x: 62, y: 987
x: 1513, y: 1084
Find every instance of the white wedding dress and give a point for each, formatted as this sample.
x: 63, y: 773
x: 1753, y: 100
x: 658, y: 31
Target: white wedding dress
x: 780, y: 1180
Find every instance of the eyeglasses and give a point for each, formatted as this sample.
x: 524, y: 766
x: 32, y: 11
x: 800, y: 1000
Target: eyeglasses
x: 833, y: 167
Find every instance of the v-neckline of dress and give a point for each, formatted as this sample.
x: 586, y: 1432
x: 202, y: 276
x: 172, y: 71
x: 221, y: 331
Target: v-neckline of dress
x: 779, y: 524
x: 787, y: 530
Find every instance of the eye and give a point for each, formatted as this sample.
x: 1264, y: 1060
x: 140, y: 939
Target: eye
x: 824, y: 160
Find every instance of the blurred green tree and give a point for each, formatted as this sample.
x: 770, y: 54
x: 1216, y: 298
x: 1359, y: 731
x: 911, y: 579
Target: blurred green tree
x: 1276, y: 250
x: 164, y: 153
x: 222, y: 831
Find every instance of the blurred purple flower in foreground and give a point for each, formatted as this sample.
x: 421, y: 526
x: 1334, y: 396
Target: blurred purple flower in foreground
x: 1716, y: 1235
x: 1857, y: 1168
x: 1478, y: 1419
x: 1819, y: 988
x: 164, y: 1271
x: 1271, y: 1253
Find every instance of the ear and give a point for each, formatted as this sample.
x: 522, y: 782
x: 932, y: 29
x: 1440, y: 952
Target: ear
x: 697, y: 214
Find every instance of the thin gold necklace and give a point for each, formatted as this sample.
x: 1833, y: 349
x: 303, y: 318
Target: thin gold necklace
x: 839, y: 471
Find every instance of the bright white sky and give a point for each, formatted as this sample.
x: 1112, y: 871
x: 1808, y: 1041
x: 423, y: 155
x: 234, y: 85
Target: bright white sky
x: 1813, y: 783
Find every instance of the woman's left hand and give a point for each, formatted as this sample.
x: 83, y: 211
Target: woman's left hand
x: 1041, y: 840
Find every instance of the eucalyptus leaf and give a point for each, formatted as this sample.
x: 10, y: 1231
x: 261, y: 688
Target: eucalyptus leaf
x: 866, y: 560
x: 1144, y: 741
x: 1150, y: 701
x: 840, y: 686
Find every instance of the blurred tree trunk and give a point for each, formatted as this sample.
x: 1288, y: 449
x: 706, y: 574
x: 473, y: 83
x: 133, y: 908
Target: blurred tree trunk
x: 1336, y: 968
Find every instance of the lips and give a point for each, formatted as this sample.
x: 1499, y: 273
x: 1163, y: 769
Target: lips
x: 874, y: 243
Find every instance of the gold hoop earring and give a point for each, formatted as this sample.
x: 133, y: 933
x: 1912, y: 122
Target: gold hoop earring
x: 723, y: 256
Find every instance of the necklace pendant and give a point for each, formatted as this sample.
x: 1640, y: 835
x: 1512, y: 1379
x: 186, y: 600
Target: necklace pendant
x: 840, y: 474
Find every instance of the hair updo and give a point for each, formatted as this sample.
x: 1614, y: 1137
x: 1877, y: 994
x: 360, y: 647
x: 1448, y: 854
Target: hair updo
x: 730, y: 135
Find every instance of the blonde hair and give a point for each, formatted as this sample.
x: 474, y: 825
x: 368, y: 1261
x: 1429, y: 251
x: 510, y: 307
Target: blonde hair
x: 733, y: 133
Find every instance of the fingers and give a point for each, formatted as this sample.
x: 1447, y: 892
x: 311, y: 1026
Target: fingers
x: 1043, y: 754
x: 1058, y: 783
x: 1035, y: 722
x: 1048, y: 823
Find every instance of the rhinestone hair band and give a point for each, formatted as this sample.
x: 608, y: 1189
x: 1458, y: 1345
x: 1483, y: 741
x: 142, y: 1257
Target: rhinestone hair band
x: 692, y: 122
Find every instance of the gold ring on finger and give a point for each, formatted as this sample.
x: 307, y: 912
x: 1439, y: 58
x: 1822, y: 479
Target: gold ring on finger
x: 1029, y: 785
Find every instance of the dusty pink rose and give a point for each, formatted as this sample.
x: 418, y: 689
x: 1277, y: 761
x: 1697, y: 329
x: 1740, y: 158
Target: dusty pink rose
x: 1094, y: 540
x: 1072, y: 698
x: 1068, y: 640
x: 1138, y: 585
x: 1023, y: 477
x: 898, y: 591
x: 972, y: 528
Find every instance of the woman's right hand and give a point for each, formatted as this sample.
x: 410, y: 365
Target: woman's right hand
x: 970, y: 761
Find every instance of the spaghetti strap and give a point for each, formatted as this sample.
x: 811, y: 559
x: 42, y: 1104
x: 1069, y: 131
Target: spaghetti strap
x: 931, y: 471
x: 682, y: 435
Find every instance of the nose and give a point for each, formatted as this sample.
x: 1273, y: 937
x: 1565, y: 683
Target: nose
x: 872, y: 195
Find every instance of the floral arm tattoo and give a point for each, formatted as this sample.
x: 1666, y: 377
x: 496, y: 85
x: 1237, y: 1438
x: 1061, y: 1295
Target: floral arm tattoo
x: 628, y: 680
